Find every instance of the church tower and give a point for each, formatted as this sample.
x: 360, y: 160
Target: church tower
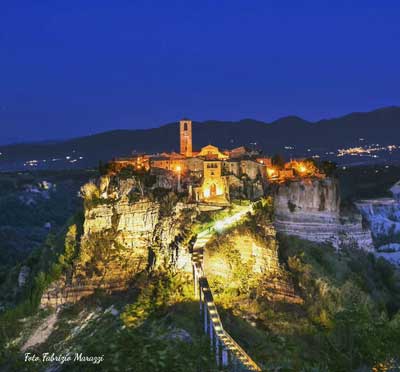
x: 186, y: 137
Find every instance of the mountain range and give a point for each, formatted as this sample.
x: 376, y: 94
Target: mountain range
x: 290, y: 136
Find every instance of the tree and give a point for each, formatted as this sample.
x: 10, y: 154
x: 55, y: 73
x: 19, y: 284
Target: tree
x: 278, y: 161
x: 328, y: 167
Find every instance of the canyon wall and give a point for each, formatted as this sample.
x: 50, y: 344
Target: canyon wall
x: 310, y: 209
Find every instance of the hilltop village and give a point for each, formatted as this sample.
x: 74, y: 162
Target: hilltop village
x: 249, y: 240
x: 215, y: 176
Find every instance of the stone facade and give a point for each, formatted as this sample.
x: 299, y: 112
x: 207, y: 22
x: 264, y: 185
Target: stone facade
x: 185, y: 127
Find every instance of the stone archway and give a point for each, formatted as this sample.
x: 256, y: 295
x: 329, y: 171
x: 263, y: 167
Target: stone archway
x: 213, y: 190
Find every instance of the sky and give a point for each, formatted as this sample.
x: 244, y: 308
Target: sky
x: 72, y: 68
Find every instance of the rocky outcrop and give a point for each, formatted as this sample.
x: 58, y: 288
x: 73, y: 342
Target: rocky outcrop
x: 243, y: 257
x: 226, y: 256
x: 383, y: 217
x: 23, y: 276
x: 310, y: 209
x: 121, y: 238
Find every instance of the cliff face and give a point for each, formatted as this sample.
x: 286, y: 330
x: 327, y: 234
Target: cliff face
x: 383, y: 216
x: 243, y: 259
x: 242, y: 249
x: 122, y: 238
x: 310, y: 209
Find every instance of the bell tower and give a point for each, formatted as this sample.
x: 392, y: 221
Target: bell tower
x: 186, y: 137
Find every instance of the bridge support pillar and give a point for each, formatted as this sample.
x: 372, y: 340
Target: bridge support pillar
x: 217, y: 351
x: 196, y: 281
x: 225, y: 360
x: 235, y: 363
x: 211, y: 333
x: 205, y: 318
x: 201, y: 299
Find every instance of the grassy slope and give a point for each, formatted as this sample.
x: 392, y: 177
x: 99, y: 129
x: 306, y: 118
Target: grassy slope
x: 141, y: 333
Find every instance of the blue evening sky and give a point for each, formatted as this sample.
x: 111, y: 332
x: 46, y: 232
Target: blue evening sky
x: 70, y: 68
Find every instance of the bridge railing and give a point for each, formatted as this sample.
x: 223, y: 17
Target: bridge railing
x: 228, y: 352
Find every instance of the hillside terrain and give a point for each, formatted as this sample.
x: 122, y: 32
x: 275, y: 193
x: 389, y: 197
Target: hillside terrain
x: 291, y: 136
x: 34, y: 207
x: 114, y: 281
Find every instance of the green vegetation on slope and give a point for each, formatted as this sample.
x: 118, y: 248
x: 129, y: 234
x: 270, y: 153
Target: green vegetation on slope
x: 26, y: 207
x: 349, y: 319
x: 153, y: 327
x: 47, y: 264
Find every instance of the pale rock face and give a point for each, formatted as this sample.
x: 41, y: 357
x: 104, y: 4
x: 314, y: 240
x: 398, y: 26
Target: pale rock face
x: 261, y: 255
x: 383, y: 216
x: 23, y: 276
x: 119, y: 239
x: 311, y: 196
x: 395, y: 189
x: 104, y: 182
x: 98, y: 219
x: 258, y: 256
x: 139, y: 227
x: 310, y: 209
x: 89, y: 190
x: 125, y: 186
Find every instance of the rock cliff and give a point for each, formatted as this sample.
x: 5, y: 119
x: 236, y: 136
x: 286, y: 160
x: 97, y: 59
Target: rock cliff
x: 123, y: 236
x: 245, y: 260
x: 383, y: 217
x: 310, y: 209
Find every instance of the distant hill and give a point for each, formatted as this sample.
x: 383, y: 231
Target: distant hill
x: 291, y: 136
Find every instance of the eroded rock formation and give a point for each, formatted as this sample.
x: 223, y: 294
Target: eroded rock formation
x: 310, y: 209
x: 242, y: 258
x: 121, y: 238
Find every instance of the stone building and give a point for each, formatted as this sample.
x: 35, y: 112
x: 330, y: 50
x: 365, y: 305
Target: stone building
x: 172, y: 162
x: 211, y: 152
x: 252, y: 169
x: 239, y: 152
x: 231, y: 166
x: 185, y: 126
x: 140, y: 161
x: 214, y: 187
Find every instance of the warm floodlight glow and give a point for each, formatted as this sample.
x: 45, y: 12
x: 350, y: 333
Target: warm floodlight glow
x: 271, y: 172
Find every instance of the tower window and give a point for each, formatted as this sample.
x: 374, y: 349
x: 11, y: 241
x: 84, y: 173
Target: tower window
x: 185, y: 127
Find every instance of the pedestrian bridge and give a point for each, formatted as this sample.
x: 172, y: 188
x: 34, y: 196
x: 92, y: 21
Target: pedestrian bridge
x: 228, y: 353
